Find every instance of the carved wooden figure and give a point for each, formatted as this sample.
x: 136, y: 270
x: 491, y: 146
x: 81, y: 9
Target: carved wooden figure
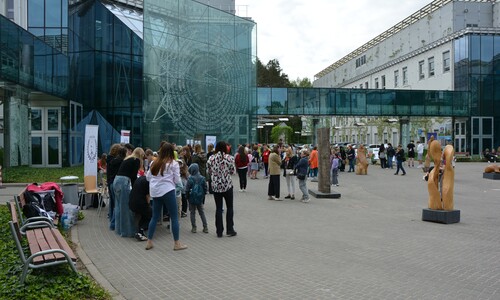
x: 492, y: 169
x: 434, y: 152
x: 448, y: 181
x: 362, y: 163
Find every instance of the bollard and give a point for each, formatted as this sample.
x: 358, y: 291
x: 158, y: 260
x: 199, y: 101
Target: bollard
x: 1, y: 178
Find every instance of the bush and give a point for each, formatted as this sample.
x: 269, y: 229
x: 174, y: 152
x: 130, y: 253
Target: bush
x: 57, y: 282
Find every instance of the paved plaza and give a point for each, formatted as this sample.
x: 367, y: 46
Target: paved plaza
x: 369, y: 244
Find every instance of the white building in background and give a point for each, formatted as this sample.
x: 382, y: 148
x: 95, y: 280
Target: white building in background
x: 446, y: 45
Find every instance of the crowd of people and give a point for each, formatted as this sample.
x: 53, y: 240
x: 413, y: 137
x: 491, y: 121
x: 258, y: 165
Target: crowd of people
x: 164, y: 184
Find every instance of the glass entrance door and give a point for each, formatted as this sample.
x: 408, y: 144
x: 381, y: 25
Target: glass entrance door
x: 482, y: 134
x: 460, y: 136
x: 46, y: 137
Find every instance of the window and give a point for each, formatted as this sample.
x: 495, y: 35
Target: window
x: 405, y: 76
x: 396, y: 78
x: 383, y: 81
x: 430, y: 64
x: 366, y: 85
x: 446, y: 61
x: 421, y: 70
x: 376, y: 83
x: 360, y: 61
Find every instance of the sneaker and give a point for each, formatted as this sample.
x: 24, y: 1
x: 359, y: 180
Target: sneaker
x: 395, y: 173
x: 288, y: 197
x: 403, y: 174
x: 241, y: 190
x: 292, y: 198
x: 193, y: 230
x: 278, y: 199
x: 140, y: 237
x: 205, y: 229
x: 234, y: 233
x: 244, y: 190
x: 183, y: 214
x: 305, y: 200
x: 270, y: 198
x: 336, y: 185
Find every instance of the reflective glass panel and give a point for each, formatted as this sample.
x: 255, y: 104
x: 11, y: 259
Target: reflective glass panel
x: 36, y: 150
x: 53, y: 119
x: 53, y: 150
x: 36, y: 119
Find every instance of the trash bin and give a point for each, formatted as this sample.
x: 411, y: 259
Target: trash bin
x: 70, y: 191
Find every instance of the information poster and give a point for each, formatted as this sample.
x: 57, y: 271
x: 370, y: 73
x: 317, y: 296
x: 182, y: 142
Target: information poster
x: 210, y: 139
x: 125, y: 136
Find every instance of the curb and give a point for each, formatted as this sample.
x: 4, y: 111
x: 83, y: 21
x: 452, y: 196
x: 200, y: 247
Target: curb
x: 91, y: 268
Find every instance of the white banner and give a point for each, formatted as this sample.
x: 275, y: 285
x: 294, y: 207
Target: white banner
x: 90, y: 150
x: 210, y: 139
x: 125, y: 137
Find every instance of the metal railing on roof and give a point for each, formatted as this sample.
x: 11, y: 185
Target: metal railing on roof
x: 420, y: 14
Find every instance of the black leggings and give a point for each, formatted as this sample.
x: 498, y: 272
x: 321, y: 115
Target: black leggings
x: 242, y: 173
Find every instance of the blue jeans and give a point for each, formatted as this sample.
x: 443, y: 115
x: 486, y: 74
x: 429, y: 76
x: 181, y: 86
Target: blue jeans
x: 351, y: 165
x: 399, y: 163
x: 111, y: 212
x: 389, y: 161
x: 124, y: 217
x: 169, y: 200
x: 303, y: 189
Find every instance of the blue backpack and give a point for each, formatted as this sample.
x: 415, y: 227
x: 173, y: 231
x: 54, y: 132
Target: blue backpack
x: 197, y: 193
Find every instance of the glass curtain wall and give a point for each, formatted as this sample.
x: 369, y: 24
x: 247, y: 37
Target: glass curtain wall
x: 48, y: 20
x: 199, y: 74
x: 477, y: 68
x: 365, y: 102
x: 106, y: 63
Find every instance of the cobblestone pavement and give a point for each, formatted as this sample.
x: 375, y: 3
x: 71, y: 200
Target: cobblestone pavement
x: 369, y: 244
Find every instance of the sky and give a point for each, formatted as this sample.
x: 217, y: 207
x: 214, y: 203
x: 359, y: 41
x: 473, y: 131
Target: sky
x: 306, y: 36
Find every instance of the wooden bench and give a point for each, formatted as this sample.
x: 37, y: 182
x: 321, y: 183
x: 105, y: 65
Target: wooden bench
x: 46, y: 244
x: 462, y: 155
x: 20, y: 202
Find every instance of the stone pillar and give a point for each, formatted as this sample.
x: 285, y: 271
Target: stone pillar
x: 323, y: 135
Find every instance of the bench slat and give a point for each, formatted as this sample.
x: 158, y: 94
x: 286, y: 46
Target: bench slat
x: 34, y: 247
x: 51, y: 241
x: 63, y: 244
x: 42, y: 243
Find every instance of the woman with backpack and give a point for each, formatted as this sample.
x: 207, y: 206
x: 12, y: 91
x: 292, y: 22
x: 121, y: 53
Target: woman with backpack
x: 163, y: 175
x: 196, y: 188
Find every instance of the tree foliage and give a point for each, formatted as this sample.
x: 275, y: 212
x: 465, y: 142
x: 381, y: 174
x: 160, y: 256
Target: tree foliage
x: 271, y: 75
x: 303, y: 83
x: 278, y: 131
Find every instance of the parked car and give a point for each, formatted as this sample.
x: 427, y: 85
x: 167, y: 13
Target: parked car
x: 374, y: 149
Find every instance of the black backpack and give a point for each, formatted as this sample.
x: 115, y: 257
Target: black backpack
x: 32, y: 205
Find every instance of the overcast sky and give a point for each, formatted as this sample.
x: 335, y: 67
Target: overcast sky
x: 306, y: 36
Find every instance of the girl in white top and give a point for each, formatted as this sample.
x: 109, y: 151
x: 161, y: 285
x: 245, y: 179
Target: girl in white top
x: 163, y: 176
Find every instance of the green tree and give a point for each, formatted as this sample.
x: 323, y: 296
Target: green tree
x: 281, y: 130
x: 271, y: 75
x: 303, y: 83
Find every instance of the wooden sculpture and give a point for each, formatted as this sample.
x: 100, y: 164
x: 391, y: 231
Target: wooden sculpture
x: 492, y: 169
x: 362, y: 163
x: 441, y: 200
x: 448, y: 181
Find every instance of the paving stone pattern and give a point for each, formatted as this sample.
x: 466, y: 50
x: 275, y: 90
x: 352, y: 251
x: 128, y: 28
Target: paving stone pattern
x: 369, y: 244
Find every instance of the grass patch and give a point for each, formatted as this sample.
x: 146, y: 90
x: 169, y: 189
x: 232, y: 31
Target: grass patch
x: 57, y: 282
x: 25, y: 174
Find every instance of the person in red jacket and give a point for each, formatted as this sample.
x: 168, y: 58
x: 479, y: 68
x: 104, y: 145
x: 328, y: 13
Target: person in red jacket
x: 265, y: 160
x: 241, y: 163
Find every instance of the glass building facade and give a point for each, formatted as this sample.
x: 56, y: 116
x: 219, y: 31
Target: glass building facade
x: 179, y: 70
x: 362, y: 102
x: 199, y: 73
x: 477, y: 69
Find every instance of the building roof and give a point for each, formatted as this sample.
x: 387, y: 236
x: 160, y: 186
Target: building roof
x: 413, y: 18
